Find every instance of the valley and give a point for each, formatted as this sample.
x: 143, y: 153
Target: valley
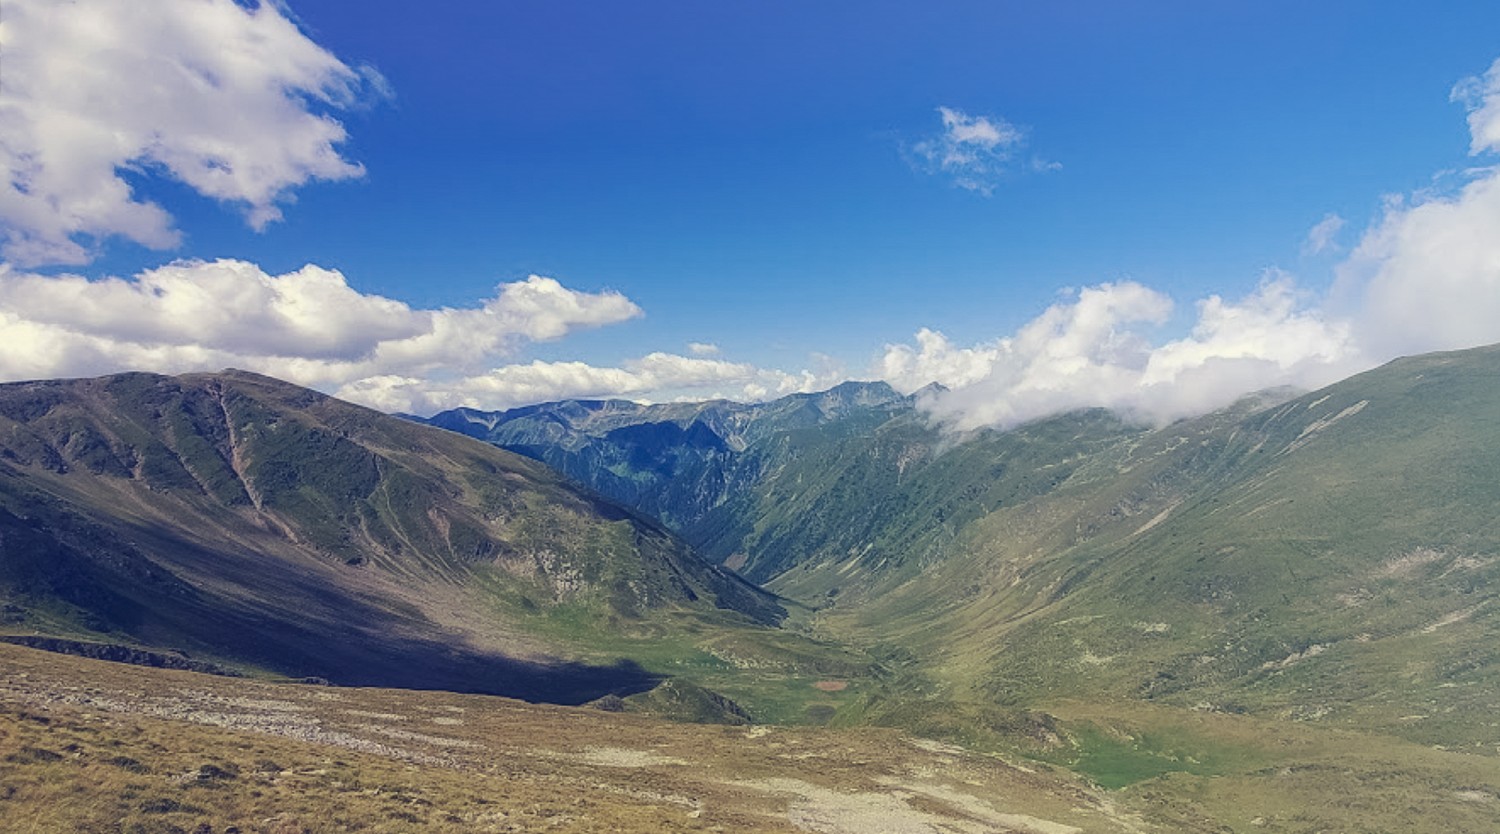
x: 1291, y: 556
x: 820, y: 613
x: 271, y: 528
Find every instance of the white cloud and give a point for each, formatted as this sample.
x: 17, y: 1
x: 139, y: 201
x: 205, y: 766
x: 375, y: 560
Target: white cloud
x: 310, y: 327
x: 935, y: 359
x: 230, y: 306
x: 976, y: 152
x: 1270, y: 338
x: 968, y: 134
x: 1322, y: 237
x: 1094, y: 351
x: 1481, y: 95
x: 1271, y: 324
x: 656, y: 377
x: 230, y: 101
x: 307, y: 326
x: 1425, y: 276
x: 703, y: 349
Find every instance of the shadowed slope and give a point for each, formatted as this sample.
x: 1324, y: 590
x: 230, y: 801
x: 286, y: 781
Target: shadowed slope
x: 254, y: 521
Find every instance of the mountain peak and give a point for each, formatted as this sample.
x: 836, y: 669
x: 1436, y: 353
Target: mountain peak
x: 865, y: 390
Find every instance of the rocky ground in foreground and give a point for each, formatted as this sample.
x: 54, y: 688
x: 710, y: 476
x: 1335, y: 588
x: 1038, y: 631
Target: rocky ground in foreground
x: 166, y: 751
x: 92, y: 746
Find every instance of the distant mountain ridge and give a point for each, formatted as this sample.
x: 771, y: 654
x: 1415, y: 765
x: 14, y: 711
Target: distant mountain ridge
x: 673, y: 461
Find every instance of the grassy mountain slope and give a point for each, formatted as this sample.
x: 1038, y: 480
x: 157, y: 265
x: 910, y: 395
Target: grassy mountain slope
x: 252, y: 521
x: 1329, y: 557
x: 1333, y: 558
x: 1221, y: 623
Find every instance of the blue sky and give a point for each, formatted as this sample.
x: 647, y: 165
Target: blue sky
x: 767, y: 178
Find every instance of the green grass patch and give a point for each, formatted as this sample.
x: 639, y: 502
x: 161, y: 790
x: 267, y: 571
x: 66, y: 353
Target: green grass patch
x: 1113, y: 761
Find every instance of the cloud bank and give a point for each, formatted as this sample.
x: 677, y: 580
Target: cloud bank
x: 232, y: 102
x: 1095, y: 351
x: 1424, y: 276
x: 308, y: 326
x: 656, y: 377
x: 311, y: 327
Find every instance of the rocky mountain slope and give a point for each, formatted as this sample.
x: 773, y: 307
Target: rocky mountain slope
x: 255, y: 522
x: 683, y: 463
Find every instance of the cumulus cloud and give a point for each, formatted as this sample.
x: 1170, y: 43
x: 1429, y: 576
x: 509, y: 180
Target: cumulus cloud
x: 229, y: 306
x: 312, y: 328
x: 232, y: 101
x: 703, y: 349
x: 308, y: 326
x: 975, y: 152
x: 935, y: 359
x: 1322, y: 237
x: 1424, y: 276
x: 1095, y: 351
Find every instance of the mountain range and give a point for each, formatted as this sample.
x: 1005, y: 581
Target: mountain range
x: 1303, y: 584
x: 1293, y: 555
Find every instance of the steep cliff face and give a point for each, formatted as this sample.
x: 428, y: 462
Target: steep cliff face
x: 252, y: 520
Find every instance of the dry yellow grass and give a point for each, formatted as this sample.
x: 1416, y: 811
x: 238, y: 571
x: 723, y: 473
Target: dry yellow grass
x: 98, y: 747
x: 88, y: 746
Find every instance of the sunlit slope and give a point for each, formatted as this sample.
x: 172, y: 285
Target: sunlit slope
x: 880, y: 505
x: 1334, y: 557
x: 1328, y: 556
